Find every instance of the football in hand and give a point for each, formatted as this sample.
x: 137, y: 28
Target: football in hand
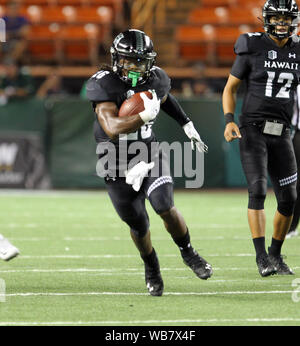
x: 133, y: 105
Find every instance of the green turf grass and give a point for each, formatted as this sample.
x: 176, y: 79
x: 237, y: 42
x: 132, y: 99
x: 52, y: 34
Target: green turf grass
x: 78, y: 265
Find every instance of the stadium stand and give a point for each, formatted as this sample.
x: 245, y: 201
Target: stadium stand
x: 213, y: 27
x: 63, y: 31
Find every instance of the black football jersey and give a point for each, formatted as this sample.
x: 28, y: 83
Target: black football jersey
x: 106, y: 86
x: 271, y: 75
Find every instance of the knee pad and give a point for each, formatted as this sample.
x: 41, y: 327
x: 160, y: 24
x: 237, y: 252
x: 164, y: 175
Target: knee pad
x: 286, y: 209
x: 161, y: 198
x: 139, y: 233
x: 287, y: 199
x: 257, y: 195
x: 256, y: 202
x: 139, y: 225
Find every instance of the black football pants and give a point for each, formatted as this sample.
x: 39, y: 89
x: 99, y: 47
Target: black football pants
x: 130, y: 204
x: 296, y: 143
x: 262, y: 154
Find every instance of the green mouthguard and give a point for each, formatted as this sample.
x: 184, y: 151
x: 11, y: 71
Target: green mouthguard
x: 134, y: 76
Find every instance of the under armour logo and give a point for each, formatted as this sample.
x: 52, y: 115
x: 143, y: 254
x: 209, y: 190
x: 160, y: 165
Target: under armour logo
x: 150, y: 288
x: 292, y: 55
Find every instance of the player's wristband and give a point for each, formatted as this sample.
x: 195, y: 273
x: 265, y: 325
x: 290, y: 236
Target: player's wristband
x: 229, y: 118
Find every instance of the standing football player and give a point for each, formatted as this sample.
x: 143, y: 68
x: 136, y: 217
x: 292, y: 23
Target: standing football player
x: 132, y: 70
x: 269, y: 63
x: 292, y: 232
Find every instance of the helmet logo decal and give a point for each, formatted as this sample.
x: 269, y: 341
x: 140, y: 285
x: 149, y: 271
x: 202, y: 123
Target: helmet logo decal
x: 139, y: 41
x: 281, y: 3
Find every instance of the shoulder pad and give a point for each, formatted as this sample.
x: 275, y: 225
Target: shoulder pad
x: 101, y: 86
x: 164, y: 79
x: 245, y: 42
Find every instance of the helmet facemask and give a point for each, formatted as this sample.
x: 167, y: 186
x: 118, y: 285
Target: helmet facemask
x: 282, y: 27
x: 133, y: 70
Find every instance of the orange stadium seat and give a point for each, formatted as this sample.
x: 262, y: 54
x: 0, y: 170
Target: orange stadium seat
x: 29, y: 2
x: 195, y: 33
x: 238, y: 16
x: 71, y: 2
x: 216, y: 16
x: 44, y: 32
x: 194, y: 53
x: 101, y: 14
x: 250, y: 3
x: 232, y: 3
x: 43, y: 44
x: 79, y: 32
x: 38, y: 2
x: 111, y: 3
x: 196, y: 42
x: 200, y: 42
x: 78, y: 40
x: 39, y: 14
x: 217, y: 3
x: 69, y: 14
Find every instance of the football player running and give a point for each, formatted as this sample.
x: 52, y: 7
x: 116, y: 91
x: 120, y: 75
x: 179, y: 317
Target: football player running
x: 132, y: 70
x: 269, y: 63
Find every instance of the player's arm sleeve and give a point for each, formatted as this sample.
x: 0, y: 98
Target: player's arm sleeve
x: 241, y: 64
x: 174, y: 110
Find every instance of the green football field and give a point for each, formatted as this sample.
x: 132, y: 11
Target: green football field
x: 78, y: 265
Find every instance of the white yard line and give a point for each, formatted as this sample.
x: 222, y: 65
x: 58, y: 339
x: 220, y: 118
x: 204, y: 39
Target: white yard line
x: 123, y: 256
x: 113, y: 270
x: 125, y: 322
x: 116, y: 238
x: 71, y: 294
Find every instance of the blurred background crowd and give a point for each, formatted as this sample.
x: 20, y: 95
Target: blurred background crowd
x: 52, y: 46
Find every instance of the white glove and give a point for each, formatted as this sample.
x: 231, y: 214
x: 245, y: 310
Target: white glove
x: 137, y: 173
x: 194, y: 136
x: 151, y: 106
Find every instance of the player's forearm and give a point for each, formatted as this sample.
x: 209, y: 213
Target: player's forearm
x: 174, y: 110
x: 112, y: 124
x: 115, y: 126
x: 124, y: 125
x: 229, y: 100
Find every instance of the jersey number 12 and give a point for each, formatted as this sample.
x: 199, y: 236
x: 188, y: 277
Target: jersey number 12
x: 283, y: 77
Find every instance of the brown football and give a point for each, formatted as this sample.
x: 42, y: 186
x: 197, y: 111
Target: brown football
x: 133, y: 105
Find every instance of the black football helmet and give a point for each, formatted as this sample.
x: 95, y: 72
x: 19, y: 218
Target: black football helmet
x: 288, y: 8
x: 132, y: 56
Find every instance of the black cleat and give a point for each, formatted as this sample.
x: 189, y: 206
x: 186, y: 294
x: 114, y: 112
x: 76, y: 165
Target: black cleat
x: 154, y: 281
x: 265, y: 266
x: 281, y: 267
x: 198, y: 264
